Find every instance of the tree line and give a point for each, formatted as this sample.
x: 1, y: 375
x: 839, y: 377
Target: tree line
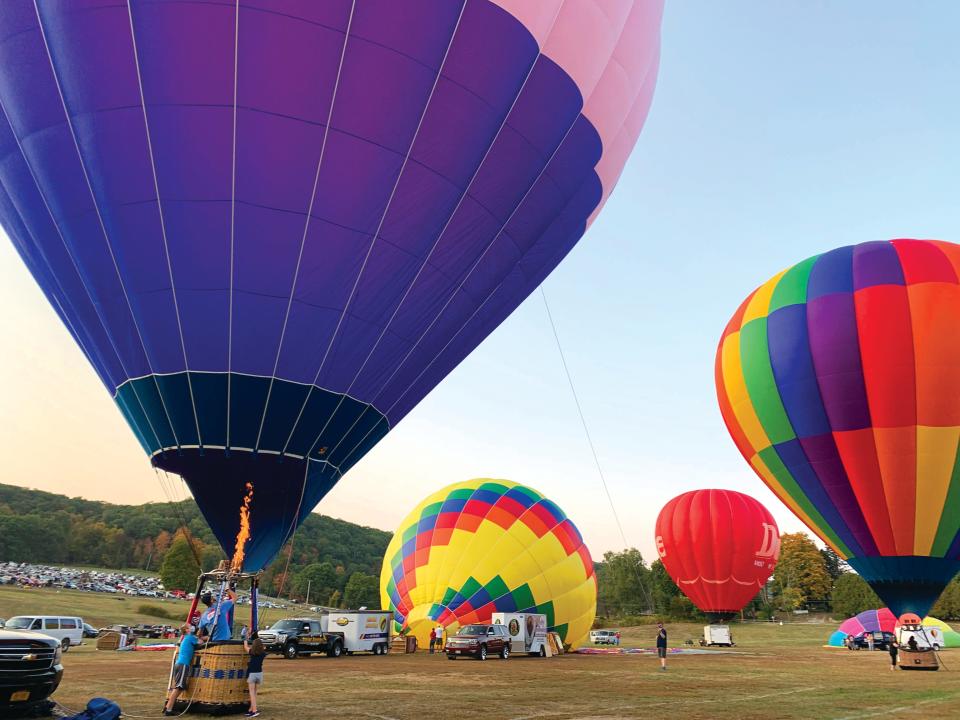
x: 174, y: 540
x: 336, y: 563
x: 805, y: 578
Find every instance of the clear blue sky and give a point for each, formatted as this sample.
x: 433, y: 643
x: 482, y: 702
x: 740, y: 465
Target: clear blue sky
x: 778, y: 130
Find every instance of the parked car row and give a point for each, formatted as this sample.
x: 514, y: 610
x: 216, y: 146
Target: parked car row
x: 31, y: 575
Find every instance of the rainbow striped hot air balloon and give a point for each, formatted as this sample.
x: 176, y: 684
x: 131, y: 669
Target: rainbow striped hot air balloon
x: 484, y: 546
x: 839, y: 380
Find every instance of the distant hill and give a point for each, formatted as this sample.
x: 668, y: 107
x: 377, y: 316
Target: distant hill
x: 43, y: 527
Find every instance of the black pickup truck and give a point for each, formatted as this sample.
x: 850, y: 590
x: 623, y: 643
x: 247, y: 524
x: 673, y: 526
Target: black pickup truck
x: 30, y: 670
x: 301, y: 636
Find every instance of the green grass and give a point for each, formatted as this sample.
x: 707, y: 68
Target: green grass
x: 98, y: 609
x: 781, y: 672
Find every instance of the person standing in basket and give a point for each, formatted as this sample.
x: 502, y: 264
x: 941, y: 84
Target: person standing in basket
x: 257, y: 653
x: 662, y: 645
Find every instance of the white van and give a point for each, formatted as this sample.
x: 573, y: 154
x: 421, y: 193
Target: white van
x: 68, y: 630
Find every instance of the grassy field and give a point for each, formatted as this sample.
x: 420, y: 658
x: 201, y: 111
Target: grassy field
x: 775, y: 672
x: 98, y: 609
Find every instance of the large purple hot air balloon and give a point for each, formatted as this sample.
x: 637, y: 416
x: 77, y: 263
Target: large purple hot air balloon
x: 273, y: 226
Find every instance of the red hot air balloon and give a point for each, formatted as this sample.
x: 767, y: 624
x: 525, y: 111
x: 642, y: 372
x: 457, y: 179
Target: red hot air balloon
x: 718, y: 546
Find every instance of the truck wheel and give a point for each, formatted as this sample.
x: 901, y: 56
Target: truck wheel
x: 483, y: 653
x: 505, y: 653
x: 65, y: 644
x: 336, y: 650
x: 290, y: 652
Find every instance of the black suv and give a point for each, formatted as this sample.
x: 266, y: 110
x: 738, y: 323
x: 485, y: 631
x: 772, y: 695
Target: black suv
x: 30, y: 669
x: 301, y: 636
x: 881, y: 640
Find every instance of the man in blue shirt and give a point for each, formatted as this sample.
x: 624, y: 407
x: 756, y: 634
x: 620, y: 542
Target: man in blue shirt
x: 216, y: 626
x: 181, y: 669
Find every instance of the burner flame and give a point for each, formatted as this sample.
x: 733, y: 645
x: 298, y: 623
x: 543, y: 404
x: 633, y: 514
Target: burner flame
x: 236, y: 565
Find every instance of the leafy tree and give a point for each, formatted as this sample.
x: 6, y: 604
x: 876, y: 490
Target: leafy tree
x: 362, y: 590
x: 790, y: 599
x: 180, y: 569
x: 948, y: 606
x: 852, y: 595
x: 623, y: 583
x: 801, y: 568
x: 833, y: 563
x: 662, y: 587
x: 319, y: 578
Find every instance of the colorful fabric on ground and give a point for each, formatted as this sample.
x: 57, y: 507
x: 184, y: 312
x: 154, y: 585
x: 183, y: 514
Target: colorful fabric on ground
x: 883, y: 620
x: 839, y: 381
x: 273, y: 226
x: 485, y: 546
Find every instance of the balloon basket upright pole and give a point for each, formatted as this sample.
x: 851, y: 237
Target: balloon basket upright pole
x: 254, y: 591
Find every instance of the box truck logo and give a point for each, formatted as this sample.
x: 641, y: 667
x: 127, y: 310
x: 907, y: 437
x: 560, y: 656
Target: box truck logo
x: 514, y: 627
x: 530, y: 626
x: 341, y: 621
x: 383, y: 624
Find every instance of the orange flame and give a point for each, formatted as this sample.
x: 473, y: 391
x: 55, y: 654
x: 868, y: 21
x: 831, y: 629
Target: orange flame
x: 236, y: 565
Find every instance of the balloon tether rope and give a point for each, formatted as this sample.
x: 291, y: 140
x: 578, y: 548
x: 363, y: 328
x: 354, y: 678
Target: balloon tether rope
x: 593, y: 449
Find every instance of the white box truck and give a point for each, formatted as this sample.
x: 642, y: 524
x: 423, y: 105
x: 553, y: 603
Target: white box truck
x: 528, y: 632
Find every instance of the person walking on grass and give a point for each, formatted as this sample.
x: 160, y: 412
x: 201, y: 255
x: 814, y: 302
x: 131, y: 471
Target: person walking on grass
x: 662, y: 645
x: 892, y: 649
x: 257, y: 653
x: 181, y: 669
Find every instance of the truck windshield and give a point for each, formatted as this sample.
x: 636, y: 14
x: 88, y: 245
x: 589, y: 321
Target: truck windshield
x: 473, y: 630
x: 19, y: 623
x: 286, y: 625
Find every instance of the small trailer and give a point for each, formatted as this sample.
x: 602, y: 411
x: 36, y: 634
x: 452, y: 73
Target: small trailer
x: 717, y: 635
x: 361, y: 630
x: 528, y: 632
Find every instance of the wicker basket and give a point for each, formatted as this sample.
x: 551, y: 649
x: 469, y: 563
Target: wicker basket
x: 109, y: 641
x: 218, y: 676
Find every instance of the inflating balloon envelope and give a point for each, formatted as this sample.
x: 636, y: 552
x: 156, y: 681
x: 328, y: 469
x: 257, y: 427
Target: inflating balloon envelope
x: 839, y: 380
x: 274, y: 226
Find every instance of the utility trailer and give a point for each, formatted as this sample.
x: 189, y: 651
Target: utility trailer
x: 528, y: 632
x: 361, y: 630
x: 717, y: 635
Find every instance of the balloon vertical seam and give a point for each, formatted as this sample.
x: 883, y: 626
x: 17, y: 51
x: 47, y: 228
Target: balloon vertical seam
x: 306, y: 229
x: 163, y: 225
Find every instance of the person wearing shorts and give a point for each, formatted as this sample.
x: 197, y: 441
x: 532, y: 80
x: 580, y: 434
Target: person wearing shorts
x: 181, y: 669
x: 257, y: 653
x: 662, y: 645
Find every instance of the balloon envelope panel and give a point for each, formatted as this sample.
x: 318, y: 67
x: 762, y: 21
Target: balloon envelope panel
x: 719, y: 546
x: 485, y: 546
x: 839, y: 381
x: 273, y: 227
